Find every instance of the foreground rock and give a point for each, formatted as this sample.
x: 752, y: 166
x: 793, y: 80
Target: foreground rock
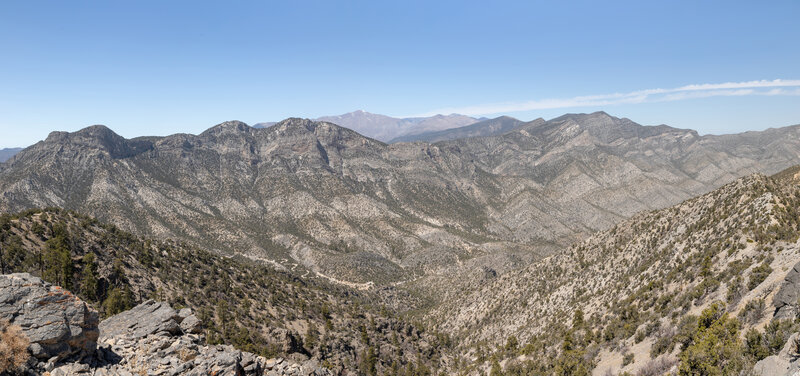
x: 148, y: 318
x: 150, y: 339
x: 154, y: 339
x: 58, y: 324
x: 786, y: 363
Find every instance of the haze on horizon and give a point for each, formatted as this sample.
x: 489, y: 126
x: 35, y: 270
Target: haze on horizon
x: 154, y: 68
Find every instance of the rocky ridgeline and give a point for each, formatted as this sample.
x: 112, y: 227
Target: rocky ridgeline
x: 152, y: 338
x: 316, y: 196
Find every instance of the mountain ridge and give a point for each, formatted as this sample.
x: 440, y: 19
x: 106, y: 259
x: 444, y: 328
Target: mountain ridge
x: 327, y: 199
x: 385, y: 128
x: 488, y: 127
x: 638, y: 283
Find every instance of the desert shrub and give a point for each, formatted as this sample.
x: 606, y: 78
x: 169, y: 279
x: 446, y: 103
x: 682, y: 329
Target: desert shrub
x: 714, y: 348
x: 776, y: 333
x: 627, y: 358
x: 664, y: 343
x: 658, y: 366
x: 736, y: 290
x: 13, y: 347
x: 687, y: 329
x: 752, y: 312
x: 754, y: 345
x: 640, y: 336
x: 759, y: 274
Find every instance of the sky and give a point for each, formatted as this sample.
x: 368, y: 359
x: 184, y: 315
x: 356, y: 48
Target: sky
x: 163, y: 67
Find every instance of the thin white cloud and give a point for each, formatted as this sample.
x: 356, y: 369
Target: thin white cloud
x: 776, y: 87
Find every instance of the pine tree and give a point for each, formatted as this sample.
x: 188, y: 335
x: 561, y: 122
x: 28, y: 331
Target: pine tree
x: 89, y: 277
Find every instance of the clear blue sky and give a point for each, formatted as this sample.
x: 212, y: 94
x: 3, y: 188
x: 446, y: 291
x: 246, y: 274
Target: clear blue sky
x: 161, y: 67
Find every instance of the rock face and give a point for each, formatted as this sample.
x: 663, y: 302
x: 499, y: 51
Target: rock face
x: 786, y: 299
x: 58, y: 324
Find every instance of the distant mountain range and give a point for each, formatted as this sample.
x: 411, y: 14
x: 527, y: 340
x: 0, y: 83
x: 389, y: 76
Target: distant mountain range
x: 386, y: 128
x: 580, y: 241
x: 483, y: 128
x: 313, y: 195
x: 6, y: 154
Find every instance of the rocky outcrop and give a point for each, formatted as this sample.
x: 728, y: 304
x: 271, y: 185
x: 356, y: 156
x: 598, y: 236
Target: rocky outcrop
x: 154, y: 339
x: 786, y: 363
x: 58, y: 324
x: 151, y: 338
x: 364, y: 211
x: 148, y: 318
x: 786, y: 299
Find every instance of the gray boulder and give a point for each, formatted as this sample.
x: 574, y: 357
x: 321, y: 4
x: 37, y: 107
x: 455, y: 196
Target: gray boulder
x: 152, y: 338
x: 191, y: 325
x: 150, y: 317
x: 785, y: 300
x: 58, y: 324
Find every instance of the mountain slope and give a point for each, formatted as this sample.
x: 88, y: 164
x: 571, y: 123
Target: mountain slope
x: 637, y: 283
x: 489, y: 127
x: 313, y: 196
x: 248, y: 305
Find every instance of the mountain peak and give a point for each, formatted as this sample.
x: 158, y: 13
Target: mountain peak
x: 92, y: 131
x: 297, y: 123
x: 102, y: 138
x: 320, y: 128
x: 231, y: 126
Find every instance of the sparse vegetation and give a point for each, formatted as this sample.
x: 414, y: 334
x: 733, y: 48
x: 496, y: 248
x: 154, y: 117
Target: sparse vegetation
x: 759, y: 274
x: 713, y: 347
x: 252, y: 307
x: 689, y: 279
x: 642, y: 277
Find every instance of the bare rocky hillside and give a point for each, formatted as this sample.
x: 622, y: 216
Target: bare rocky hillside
x: 320, y: 199
x: 626, y: 297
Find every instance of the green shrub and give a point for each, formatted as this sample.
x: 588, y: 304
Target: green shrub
x: 754, y: 345
x: 759, y: 274
x: 752, y: 312
x: 627, y: 358
x: 118, y: 300
x: 714, y: 348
